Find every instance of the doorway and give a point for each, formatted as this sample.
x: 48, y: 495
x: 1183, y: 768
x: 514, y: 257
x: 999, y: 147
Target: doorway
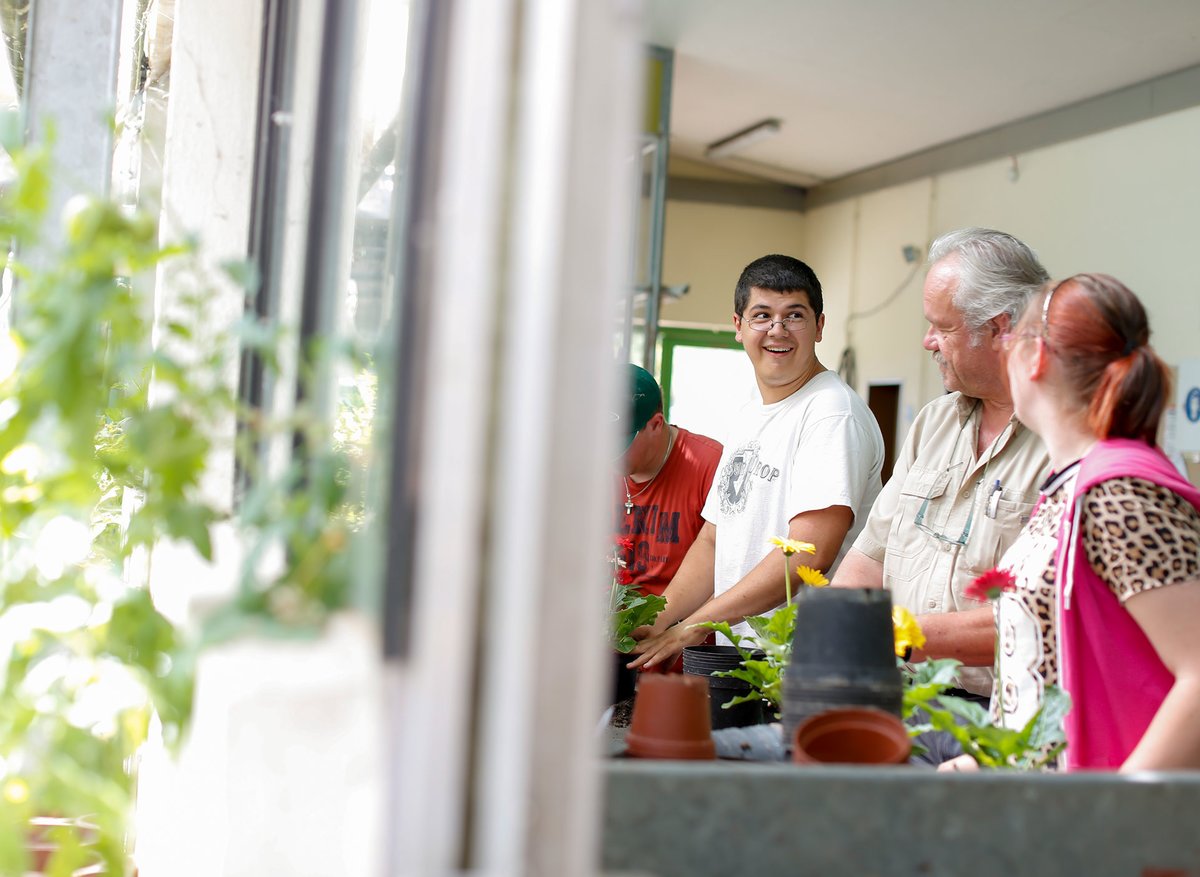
x: 884, y: 402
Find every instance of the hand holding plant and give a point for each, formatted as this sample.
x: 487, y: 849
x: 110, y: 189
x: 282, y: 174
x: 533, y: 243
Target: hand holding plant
x: 629, y: 608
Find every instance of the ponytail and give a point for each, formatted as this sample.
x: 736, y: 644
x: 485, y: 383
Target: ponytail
x: 1100, y: 329
x: 1131, y: 397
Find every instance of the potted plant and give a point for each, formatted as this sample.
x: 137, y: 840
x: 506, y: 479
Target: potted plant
x: 628, y: 609
x: 924, y: 705
x: 765, y: 654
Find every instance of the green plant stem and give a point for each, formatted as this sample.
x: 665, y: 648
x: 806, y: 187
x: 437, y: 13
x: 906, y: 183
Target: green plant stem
x: 787, y: 578
x: 999, y: 680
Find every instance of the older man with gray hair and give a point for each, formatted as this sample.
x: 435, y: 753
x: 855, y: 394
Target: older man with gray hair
x: 967, y: 475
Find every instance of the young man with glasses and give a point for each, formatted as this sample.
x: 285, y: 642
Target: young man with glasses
x: 967, y: 475
x: 803, y: 462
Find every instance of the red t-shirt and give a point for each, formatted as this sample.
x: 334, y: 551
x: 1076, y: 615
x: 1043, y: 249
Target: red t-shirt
x: 665, y: 518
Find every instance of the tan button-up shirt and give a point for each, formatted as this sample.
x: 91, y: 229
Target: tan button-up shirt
x: 946, y: 515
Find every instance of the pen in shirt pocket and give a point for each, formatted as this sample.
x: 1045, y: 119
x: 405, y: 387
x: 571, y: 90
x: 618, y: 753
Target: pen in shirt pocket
x: 993, y: 500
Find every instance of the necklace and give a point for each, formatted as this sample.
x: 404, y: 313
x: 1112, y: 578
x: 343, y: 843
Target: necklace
x: 625, y: 480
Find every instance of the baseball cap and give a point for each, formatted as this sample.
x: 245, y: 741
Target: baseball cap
x: 645, y: 402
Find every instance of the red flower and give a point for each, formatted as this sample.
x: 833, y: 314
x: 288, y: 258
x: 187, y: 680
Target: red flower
x: 624, y: 576
x: 625, y: 543
x: 990, y: 585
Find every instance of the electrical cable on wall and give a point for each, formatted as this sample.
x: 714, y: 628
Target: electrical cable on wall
x: 848, y: 365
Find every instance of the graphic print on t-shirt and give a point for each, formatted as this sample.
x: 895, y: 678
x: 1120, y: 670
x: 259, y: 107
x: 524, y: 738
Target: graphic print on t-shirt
x: 738, y: 475
x: 648, y: 524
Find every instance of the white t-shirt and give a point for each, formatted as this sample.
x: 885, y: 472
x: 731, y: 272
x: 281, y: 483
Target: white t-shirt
x: 817, y: 448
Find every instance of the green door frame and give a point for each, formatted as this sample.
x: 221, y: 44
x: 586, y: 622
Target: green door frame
x: 670, y: 338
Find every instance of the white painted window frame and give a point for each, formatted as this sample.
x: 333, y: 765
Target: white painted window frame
x: 495, y: 706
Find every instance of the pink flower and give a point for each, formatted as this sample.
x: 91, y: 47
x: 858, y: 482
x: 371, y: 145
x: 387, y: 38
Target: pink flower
x: 990, y: 585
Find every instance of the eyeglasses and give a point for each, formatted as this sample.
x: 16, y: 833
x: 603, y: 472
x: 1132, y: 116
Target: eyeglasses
x: 945, y: 538
x: 763, y: 323
x: 1046, y: 309
x: 1008, y: 339
x: 943, y: 481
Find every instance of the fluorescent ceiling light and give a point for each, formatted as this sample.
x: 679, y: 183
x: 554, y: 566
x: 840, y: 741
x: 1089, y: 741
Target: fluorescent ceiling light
x: 743, y: 139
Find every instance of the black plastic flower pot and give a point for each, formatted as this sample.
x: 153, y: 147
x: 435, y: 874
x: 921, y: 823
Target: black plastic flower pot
x: 843, y: 655
x: 624, y: 680
x: 704, y: 661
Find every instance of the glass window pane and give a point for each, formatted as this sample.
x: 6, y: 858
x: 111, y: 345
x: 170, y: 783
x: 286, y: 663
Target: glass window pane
x: 708, y: 384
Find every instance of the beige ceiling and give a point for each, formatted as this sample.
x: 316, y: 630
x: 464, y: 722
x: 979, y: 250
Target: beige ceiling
x: 859, y: 83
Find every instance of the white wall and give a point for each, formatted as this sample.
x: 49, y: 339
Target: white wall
x: 1125, y: 202
x: 708, y: 245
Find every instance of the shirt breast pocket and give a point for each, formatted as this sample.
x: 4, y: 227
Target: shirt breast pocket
x: 922, y: 488
x: 994, y: 533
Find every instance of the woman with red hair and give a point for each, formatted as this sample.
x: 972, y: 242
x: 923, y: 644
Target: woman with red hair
x: 1107, y: 596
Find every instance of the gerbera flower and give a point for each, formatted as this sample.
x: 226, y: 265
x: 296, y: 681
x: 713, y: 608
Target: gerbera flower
x: 792, y: 546
x: 907, y: 631
x: 812, y: 577
x: 990, y: 585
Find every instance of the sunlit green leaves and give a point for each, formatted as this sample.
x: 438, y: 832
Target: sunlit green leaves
x: 77, y: 432
x: 108, y: 425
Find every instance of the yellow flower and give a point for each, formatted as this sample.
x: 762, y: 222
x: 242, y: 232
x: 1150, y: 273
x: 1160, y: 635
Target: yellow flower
x: 907, y: 631
x: 16, y: 791
x: 812, y: 577
x: 791, y: 546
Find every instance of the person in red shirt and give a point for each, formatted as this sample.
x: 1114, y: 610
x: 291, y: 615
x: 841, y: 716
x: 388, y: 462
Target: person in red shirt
x: 666, y: 472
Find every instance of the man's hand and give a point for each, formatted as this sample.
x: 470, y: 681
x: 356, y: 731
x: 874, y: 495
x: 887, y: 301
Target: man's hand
x: 959, y: 763
x: 968, y: 635
x: 666, y: 647
x: 644, y: 632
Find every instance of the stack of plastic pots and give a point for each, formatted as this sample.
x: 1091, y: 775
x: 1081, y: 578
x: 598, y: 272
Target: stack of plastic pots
x: 706, y: 660
x: 670, y: 718
x: 843, y: 655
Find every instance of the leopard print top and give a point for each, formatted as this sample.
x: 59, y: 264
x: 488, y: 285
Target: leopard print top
x: 1140, y: 536
x: 1137, y: 536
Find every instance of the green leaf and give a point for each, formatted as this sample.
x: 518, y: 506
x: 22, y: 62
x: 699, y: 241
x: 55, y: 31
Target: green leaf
x: 632, y: 610
x: 773, y: 637
x: 137, y: 633
x: 973, y: 713
x: 723, y: 628
x: 1046, y: 727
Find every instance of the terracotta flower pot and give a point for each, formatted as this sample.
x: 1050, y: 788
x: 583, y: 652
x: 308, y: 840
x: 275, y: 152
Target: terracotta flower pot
x: 671, y: 718
x: 857, y: 735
